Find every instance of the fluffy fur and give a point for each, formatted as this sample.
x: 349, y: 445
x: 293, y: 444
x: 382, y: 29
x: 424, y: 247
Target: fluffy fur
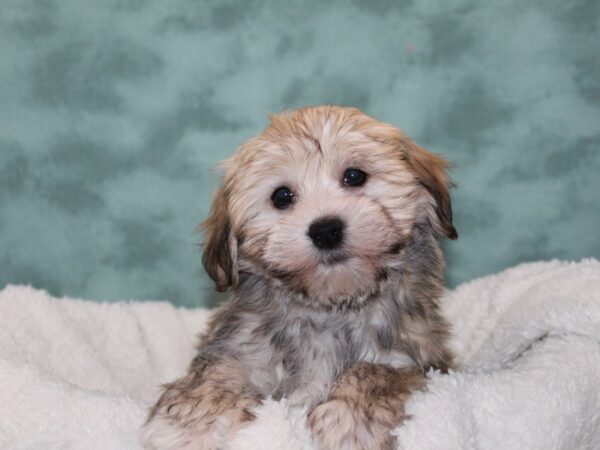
x: 348, y: 332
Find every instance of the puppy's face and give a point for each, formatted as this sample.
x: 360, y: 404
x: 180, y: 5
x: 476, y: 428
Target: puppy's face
x: 323, y: 202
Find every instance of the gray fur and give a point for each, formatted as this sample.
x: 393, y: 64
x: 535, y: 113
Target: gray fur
x: 264, y: 326
x: 297, y: 350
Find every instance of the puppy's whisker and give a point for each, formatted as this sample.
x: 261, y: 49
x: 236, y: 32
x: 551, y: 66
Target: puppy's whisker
x: 333, y: 257
x: 396, y: 248
x: 281, y: 274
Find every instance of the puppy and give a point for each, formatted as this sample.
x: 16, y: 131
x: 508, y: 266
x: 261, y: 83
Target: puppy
x: 325, y: 230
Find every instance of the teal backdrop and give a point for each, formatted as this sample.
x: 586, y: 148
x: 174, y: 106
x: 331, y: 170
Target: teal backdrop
x: 113, y: 114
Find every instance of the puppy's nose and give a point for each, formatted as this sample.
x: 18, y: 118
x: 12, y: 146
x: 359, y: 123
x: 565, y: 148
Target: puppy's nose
x: 327, y: 233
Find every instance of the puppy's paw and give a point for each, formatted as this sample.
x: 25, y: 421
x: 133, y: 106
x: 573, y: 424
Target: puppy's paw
x: 344, y: 425
x: 201, y: 411
x: 333, y: 426
x: 365, y: 405
x: 162, y: 433
x: 193, y: 426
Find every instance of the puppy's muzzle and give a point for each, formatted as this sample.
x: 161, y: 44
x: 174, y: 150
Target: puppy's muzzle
x: 327, y: 233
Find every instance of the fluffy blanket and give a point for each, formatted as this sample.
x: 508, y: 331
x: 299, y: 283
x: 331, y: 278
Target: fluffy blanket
x: 78, y: 374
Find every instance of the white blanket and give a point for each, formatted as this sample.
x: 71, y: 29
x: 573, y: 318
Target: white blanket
x: 80, y: 375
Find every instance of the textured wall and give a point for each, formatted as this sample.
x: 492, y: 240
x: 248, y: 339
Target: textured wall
x: 112, y: 114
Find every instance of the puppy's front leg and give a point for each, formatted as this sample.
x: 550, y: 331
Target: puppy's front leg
x: 366, y: 403
x: 203, y: 409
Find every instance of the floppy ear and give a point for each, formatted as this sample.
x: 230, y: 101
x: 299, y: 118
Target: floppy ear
x: 431, y: 173
x: 220, y: 246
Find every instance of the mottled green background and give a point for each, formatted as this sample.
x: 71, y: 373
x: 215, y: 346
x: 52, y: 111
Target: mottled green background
x: 113, y: 113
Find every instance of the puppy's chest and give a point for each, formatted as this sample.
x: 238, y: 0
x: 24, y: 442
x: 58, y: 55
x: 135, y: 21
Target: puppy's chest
x: 342, y: 341
x: 309, y: 352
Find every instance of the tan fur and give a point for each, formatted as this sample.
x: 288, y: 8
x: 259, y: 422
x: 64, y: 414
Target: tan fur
x: 348, y: 333
x: 219, y: 258
x: 365, y: 405
x: 345, y: 135
x: 431, y: 171
x: 209, y: 407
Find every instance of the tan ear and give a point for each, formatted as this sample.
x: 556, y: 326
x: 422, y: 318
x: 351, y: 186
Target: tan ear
x: 220, y: 246
x: 431, y: 171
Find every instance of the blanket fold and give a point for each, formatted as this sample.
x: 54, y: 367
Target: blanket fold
x: 77, y: 374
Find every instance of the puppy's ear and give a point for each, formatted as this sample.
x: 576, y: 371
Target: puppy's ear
x: 220, y: 246
x: 431, y: 173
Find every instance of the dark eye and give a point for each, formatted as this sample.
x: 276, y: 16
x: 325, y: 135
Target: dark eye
x: 354, y: 177
x: 282, y: 197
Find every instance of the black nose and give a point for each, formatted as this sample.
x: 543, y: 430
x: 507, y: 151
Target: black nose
x: 327, y: 233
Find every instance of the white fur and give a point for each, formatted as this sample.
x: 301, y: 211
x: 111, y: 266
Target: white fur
x: 81, y: 374
x: 376, y: 215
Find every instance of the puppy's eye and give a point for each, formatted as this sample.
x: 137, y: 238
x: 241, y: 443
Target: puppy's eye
x: 354, y: 177
x: 282, y: 197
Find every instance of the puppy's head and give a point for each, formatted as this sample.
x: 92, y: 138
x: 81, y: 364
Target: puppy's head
x: 323, y: 202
